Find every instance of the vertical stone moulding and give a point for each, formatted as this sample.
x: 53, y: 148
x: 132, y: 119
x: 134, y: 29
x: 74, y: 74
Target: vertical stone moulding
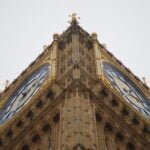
x: 54, y: 55
x: 75, y: 52
x: 97, y: 53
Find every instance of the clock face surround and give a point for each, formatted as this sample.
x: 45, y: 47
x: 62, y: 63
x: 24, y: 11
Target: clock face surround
x: 26, y: 90
x: 127, y: 89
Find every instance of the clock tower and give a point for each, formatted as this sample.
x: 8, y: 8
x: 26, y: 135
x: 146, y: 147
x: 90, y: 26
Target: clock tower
x: 76, y: 95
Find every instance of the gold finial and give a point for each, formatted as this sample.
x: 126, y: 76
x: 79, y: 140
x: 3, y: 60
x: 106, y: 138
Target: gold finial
x: 144, y: 80
x: 6, y: 84
x: 44, y: 47
x: 94, y: 35
x: 73, y: 17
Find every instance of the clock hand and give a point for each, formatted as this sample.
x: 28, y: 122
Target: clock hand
x: 24, y: 93
x: 129, y: 93
x: 20, y: 91
x: 8, y: 115
x: 36, y: 84
x: 33, y: 88
x: 126, y: 92
x: 33, y: 85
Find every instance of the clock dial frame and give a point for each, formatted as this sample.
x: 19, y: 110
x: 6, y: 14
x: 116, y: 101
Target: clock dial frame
x: 128, y: 90
x: 24, y: 93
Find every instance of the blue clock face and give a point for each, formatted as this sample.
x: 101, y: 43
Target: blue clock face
x: 24, y: 93
x: 127, y: 89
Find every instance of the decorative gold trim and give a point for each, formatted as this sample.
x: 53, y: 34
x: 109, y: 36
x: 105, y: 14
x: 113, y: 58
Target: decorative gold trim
x: 108, y: 84
x: 42, y: 88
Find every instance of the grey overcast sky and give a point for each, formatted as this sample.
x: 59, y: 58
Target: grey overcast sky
x: 27, y: 25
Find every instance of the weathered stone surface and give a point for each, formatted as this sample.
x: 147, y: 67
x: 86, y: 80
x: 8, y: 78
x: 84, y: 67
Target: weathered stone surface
x: 77, y: 108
